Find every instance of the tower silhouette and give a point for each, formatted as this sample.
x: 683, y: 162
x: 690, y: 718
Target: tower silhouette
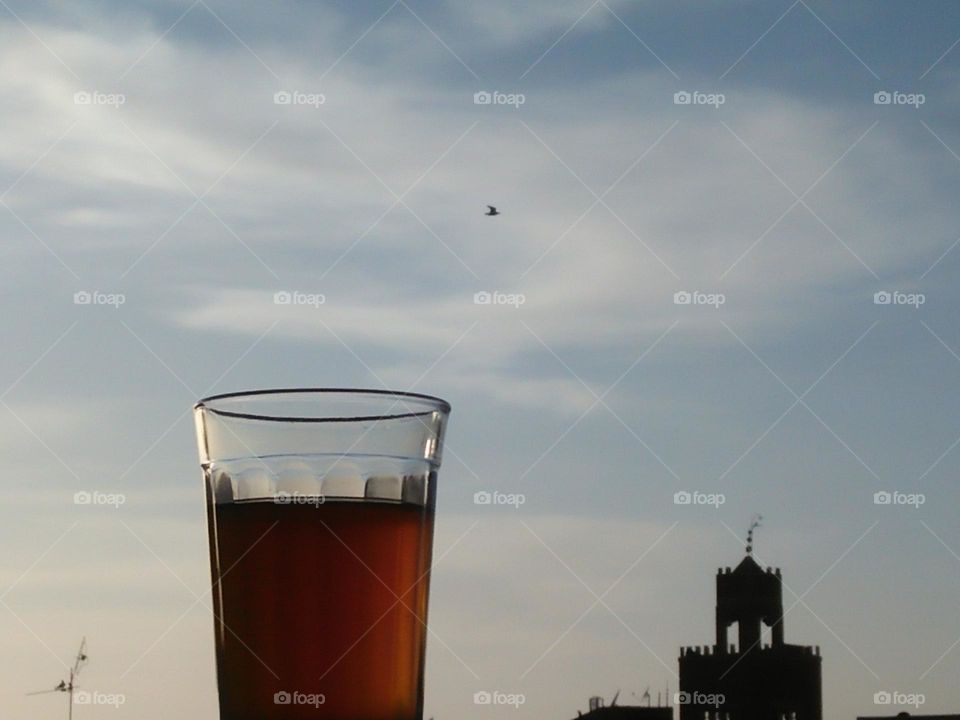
x: 750, y: 681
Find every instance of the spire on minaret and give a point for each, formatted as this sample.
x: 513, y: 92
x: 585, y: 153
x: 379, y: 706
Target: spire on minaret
x: 754, y: 524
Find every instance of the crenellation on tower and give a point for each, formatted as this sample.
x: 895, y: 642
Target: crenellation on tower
x: 761, y: 681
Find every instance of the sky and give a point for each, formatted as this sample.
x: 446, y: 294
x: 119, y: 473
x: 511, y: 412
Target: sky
x: 724, y: 266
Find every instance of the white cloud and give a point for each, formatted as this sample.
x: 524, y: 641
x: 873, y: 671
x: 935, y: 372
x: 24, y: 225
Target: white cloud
x: 400, y: 299
x: 699, y: 200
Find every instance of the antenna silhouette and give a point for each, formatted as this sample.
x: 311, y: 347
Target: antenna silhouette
x: 69, y: 686
x: 754, y: 524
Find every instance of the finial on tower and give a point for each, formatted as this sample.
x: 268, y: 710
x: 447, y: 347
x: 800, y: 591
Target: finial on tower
x: 754, y: 524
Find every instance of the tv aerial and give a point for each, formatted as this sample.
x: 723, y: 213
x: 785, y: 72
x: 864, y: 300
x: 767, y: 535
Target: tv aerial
x: 754, y: 524
x: 68, y: 686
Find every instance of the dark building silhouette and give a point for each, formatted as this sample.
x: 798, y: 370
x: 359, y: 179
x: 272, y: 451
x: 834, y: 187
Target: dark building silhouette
x: 599, y: 711
x: 749, y: 681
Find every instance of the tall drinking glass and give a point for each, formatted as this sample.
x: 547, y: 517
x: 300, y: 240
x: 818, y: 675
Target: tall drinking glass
x: 320, y: 508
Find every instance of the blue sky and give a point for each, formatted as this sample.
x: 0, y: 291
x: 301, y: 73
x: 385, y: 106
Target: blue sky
x: 183, y: 188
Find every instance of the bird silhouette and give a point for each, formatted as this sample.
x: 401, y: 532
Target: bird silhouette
x: 491, y: 211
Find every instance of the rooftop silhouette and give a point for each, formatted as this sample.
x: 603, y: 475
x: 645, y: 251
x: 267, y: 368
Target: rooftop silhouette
x: 599, y: 710
x: 758, y: 677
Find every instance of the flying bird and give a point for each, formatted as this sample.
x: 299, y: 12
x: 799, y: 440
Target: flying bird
x: 491, y: 211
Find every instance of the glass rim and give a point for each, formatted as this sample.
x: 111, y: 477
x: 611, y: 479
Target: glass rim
x: 209, y: 404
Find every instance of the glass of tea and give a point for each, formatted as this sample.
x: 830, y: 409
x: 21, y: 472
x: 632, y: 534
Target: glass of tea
x: 320, y: 507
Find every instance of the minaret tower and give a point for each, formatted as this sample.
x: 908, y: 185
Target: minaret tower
x: 750, y: 681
